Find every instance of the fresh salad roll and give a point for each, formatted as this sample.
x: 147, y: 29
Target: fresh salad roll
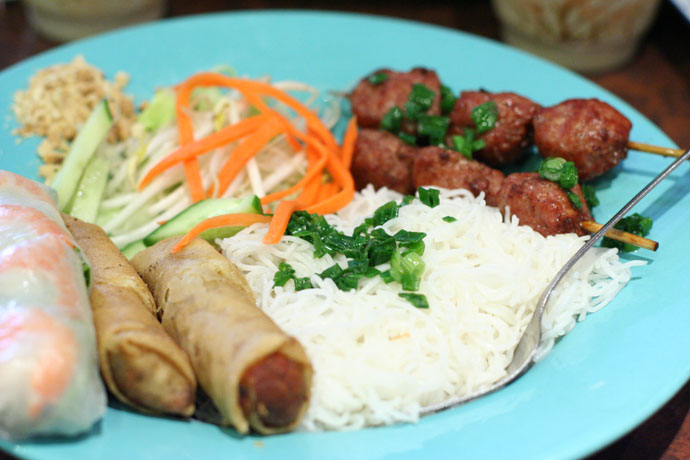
x: 49, y: 382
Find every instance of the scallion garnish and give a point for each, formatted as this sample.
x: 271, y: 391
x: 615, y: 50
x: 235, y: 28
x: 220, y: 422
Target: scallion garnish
x: 432, y: 128
x: 590, y: 196
x: 637, y: 224
x: 417, y: 300
x: 467, y: 144
x: 556, y: 169
x: 419, y: 102
x: 447, y: 100
x: 449, y: 219
x: 392, y: 120
x: 429, y: 196
x: 365, y: 249
x: 284, y: 274
x: 378, y: 78
x: 577, y: 202
x: 485, y: 116
x: 407, y: 138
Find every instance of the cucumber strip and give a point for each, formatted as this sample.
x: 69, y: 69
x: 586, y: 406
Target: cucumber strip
x: 202, y: 210
x: 89, y: 194
x: 133, y: 248
x: 160, y: 112
x: 82, y: 149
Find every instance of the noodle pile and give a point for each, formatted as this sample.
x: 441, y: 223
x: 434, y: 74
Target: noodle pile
x: 378, y: 359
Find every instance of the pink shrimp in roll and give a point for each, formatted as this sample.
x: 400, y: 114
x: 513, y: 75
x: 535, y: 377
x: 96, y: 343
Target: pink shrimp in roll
x: 49, y: 381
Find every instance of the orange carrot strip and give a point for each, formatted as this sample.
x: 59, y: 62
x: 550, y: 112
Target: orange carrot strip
x: 246, y: 86
x: 212, y: 141
x: 313, y: 170
x: 241, y: 155
x: 349, y: 140
x: 186, y: 133
x: 327, y: 190
x: 280, y: 221
x: 226, y: 220
x: 312, y: 187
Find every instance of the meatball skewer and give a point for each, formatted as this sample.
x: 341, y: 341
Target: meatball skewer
x: 382, y: 159
x: 590, y: 133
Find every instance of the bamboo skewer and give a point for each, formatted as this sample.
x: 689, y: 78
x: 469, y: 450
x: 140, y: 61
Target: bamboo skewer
x: 663, y: 151
x: 623, y: 237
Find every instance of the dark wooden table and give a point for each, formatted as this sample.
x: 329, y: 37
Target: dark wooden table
x: 656, y: 82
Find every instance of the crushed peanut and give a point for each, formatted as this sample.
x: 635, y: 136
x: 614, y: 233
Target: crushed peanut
x: 59, y: 100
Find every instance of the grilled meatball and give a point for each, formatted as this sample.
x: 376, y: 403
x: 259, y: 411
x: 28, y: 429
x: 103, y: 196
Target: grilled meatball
x: 542, y: 204
x: 448, y: 169
x: 588, y: 132
x: 371, y: 102
x: 510, y: 135
x: 382, y: 159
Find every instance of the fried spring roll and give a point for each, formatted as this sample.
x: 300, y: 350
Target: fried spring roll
x: 141, y: 365
x: 256, y: 375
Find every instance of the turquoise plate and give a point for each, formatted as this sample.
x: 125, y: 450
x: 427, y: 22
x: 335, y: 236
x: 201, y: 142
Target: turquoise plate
x: 602, y: 380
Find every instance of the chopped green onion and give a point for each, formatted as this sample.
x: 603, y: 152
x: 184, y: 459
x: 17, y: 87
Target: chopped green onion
x: 577, y: 202
x: 449, y: 219
x: 417, y: 300
x: 433, y: 128
x: 429, y: 196
x: 392, y: 120
x: 485, y: 116
x: 407, y: 199
x: 332, y: 272
x: 407, y: 138
x: 467, y: 144
x: 556, y: 169
x: 590, y: 196
x: 636, y: 224
x: 284, y: 274
x: 302, y: 283
x: 447, y: 100
x: 420, y: 100
x: 407, y: 268
x: 378, y: 78
x: 385, y: 213
x: 386, y: 276
x: 417, y: 247
x: 406, y: 238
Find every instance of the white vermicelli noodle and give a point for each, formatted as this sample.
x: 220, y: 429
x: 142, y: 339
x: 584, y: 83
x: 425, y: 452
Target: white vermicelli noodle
x: 378, y: 359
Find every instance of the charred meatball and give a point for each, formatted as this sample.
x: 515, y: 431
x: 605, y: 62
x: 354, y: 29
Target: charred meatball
x: 588, y: 132
x: 510, y: 135
x: 370, y: 102
x: 382, y: 159
x: 542, y: 204
x: 449, y: 169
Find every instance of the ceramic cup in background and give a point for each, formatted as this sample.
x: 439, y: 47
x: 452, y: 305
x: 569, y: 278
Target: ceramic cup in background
x: 585, y: 35
x: 64, y: 20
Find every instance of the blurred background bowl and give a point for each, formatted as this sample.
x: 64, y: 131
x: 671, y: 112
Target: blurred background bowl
x: 64, y: 20
x: 585, y: 35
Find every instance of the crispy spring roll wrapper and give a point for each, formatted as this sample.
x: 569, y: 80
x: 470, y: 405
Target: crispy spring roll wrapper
x: 141, y: 365
x: 256, y: 375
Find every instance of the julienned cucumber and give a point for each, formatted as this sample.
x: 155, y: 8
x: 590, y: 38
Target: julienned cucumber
x: 202, y: 210
x: 133, y: 248
x: 82, y: 149
x: 90, y: 191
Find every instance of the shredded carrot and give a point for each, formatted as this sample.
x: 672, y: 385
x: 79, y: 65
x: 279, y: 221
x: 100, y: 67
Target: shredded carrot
x: 243, y: 153
x: 212, y: 141
x: 349, y: 140
x: 226, y: 220
x: 280, y: 221
x: 186, y: 132
x: 252, y: 134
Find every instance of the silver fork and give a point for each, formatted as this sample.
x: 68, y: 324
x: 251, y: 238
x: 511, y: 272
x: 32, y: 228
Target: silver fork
x: 526, y: 349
